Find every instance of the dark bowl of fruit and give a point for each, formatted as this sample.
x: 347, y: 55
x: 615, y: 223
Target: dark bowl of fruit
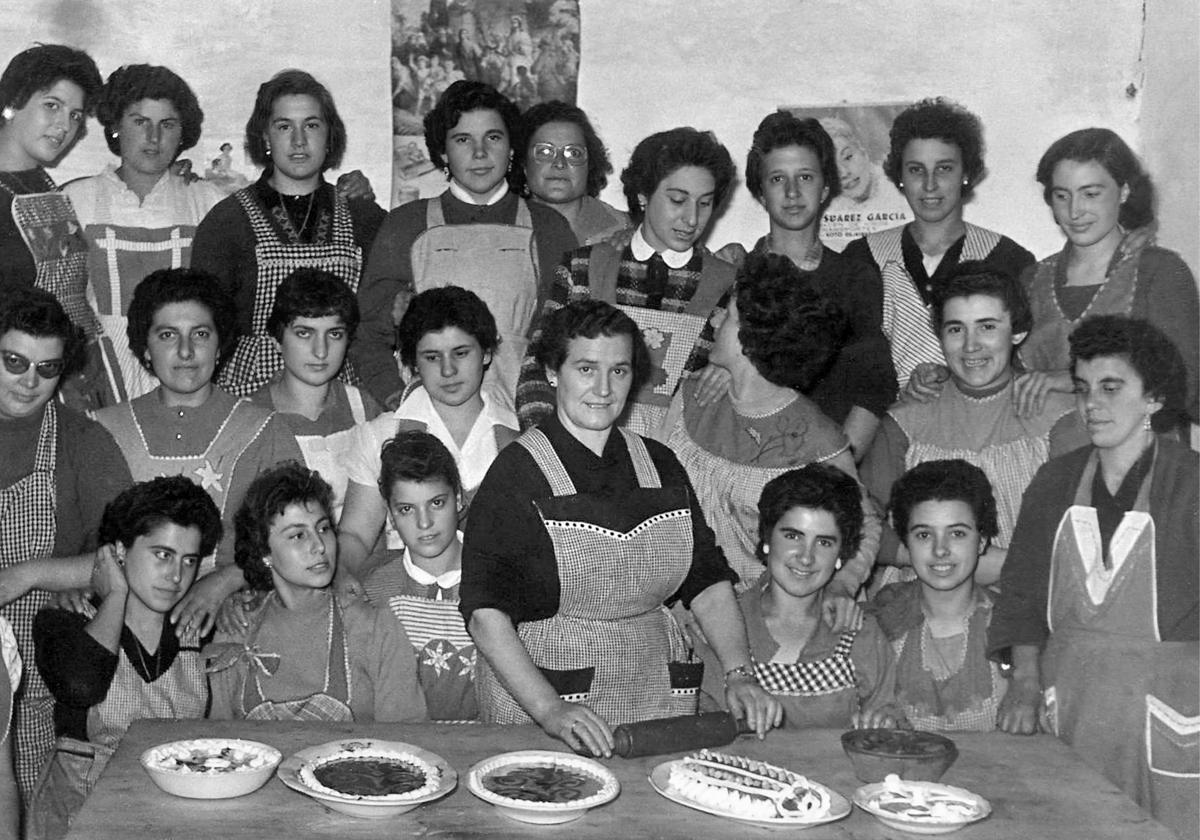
x: 915, y: 756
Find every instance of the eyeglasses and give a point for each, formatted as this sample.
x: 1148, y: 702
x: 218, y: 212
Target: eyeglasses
x: 17, y: 364
x: 572, y: 155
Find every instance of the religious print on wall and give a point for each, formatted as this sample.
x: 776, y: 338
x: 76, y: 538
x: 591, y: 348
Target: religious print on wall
x: 868, y: 201
x: 526, y: 49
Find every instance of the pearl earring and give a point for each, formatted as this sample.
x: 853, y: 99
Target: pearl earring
x: 1146, y: 425
x: 766, y: 549
x: 900, y: 185
x: 8, y: 113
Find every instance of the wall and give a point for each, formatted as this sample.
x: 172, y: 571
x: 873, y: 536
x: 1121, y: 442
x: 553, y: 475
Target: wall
x: 1032, y: 70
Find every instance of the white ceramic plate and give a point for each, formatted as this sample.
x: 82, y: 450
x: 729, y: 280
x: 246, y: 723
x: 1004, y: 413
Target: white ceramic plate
x: 839, y: 806
x: 220, y: 780
x: 866, y: 795
x: 289, y: 774
x: 543, y: 813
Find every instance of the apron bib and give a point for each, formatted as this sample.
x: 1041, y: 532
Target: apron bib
x: 331, y: 703
x: 1124, y: 700
x: 28, y: 511
x: 329, y: 454
x: 613, y: 645
x: 496, y: 262
x: 256, y: 359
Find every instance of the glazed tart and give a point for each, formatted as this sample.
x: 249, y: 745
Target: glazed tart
x: 543, y: 780
x: 746, y: 788
x: 376, y: 775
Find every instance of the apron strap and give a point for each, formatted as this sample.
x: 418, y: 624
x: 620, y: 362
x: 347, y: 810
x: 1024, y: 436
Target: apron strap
x: 254, y: 212
x: 357, y: 410
x: 547, y: 460
x: 47, y: 446
x: 647, y: 474
x: 524, y: 217
x: 434, y: 216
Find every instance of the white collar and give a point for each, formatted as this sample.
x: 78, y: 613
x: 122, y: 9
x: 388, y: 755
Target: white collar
x: 461, y: 194
x: 419, y: 406
x: 446, y: 580
x: 643, y: 250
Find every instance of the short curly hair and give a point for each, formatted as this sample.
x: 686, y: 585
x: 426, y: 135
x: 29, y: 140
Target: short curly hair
x: 589, y: 319
x: 782, y: 129
x: 816, y: 486
x: 269, y: 495
x: 789, y: 330
x: 977, y: 277
x: 1106, y: 148
x: 1148, y: 351
x: 460, y: 98
x: 938, y: 119
x: 174, y: 500
x: 657, y: 156
x: 312, y: 293
x: 599, y: 165
x: 131, y: 84
x: 293, y: 83
x: 42, y: 66
x: 415, y: 455
x: 38, y: 313
x: 433, y: 310
x: 180, y: 285
x: 952, y: 480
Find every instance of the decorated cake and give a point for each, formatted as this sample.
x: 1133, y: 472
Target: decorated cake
x: 747, y: 788
x: 371, y: 774
x: 925, y: 802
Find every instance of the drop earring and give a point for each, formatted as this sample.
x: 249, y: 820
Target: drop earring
x: 1147, y: 426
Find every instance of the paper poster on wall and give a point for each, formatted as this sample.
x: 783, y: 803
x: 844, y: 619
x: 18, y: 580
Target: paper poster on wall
x: 868, y: 201
x: 526, y: 49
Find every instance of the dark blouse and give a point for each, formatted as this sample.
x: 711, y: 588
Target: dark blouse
x: 17, y: 268
x: 78, y: 670
x: 508, y: 559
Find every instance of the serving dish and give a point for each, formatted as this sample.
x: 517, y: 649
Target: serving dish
x: 921, y: 807
x: 302, y: 772
x: 210, y: 768
x: 912, y: 755
x: 542, y: 786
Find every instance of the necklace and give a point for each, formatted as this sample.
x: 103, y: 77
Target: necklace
x: 307, y: 214
x: 137, y: 647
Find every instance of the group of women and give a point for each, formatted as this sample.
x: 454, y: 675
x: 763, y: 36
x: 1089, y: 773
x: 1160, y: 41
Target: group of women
x: 670, y: 401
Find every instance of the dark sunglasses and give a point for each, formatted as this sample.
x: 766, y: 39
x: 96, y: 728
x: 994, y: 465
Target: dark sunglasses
x: 17, y: 364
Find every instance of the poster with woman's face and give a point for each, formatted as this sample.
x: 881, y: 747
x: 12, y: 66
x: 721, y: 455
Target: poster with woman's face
x: 868, y: 200
x: 526, y: 49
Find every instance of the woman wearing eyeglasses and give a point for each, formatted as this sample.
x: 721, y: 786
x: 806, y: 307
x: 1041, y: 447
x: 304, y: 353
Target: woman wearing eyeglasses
x: 566, y: 165
x: 57, y: 471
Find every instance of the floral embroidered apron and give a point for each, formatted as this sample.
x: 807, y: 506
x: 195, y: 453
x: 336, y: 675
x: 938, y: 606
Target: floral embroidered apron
x: 256, y: 359
x: 1125, y: 700
x: 28, y: 524
x: 496, y: 262
x: 612, y: 646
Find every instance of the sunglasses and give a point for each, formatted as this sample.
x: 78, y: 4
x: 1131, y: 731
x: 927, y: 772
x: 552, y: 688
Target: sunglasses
x: 547, y: 153
x: 17, y: 364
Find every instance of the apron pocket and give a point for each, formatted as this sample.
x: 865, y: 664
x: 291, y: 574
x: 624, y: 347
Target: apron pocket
x: 1172, y: 740
x: 685, y: 677
x: 67, y: 778
x: 573, y: 685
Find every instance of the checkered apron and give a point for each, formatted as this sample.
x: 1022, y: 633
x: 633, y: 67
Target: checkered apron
x: 331, y: 703
x: 611, y: 619
x: 256, y: 359
x: 810, y: 679
x: 496, y: 262
x: 27, y: 530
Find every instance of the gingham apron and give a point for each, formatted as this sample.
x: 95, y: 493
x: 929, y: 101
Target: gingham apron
x: 816, y: 678
x: 331, y: 703
x: 1126, y: 701
x: 256, y: 359
x: 329, y: 454
x: 28, y: 523
x: 180, y: 692
x: 496, y: 262
x: 212, y: 469
x: 612, y: 646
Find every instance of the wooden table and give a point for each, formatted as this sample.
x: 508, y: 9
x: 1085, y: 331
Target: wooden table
x: 1037, y: 787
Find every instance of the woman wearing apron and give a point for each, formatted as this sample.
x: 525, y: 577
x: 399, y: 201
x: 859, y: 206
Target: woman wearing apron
x: 664, y: 279
x: 1103, y: 200
x: 57, y: 471
x: 291, y: 218
x: 139, y: 216
x: 478, y: 234
x: 579, y: 537
x: 306, y: 655
x: 1099, y: 596
x: 46, y: 93
x: 777, y: 336
x: 123, y: 661
x: 181, y: 325
x: 936, y: 160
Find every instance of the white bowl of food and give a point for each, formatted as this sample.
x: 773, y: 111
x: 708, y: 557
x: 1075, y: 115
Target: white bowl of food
x: 211, y: 768
x: 542, y: 787
x: 921, y: 807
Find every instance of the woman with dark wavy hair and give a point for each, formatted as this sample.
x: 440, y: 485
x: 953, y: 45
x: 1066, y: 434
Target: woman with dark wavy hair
x: 291, y: 218
x: 566, y: 166
x: 1103, y: 201
x: 138, y: 215
x: 777, y: 337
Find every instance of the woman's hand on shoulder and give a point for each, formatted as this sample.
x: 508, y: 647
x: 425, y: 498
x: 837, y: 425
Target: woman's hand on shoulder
x: 198, y: 609
x: 355, y: 185
x: 712, y: 383
x: 1034, y: 387
x: 841, y: 611
x: 746, y: 699
x: 926, y: 382
x: 74, y: 600
x: 578, y: 727
x: 233, y: 619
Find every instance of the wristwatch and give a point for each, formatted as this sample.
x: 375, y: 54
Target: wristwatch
x: 740, y: 672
